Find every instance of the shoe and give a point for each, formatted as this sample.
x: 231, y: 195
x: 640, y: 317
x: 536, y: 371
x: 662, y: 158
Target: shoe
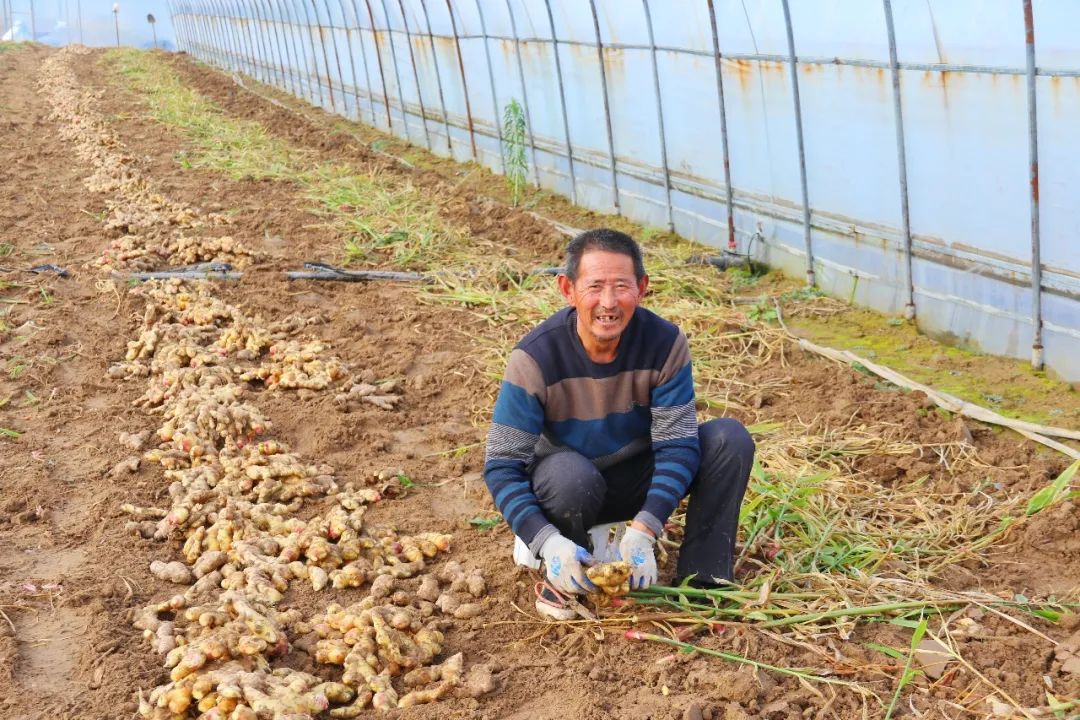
x: 552, y: 604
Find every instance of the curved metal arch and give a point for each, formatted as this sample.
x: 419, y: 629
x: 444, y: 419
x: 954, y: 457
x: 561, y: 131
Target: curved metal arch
x: 491, y: 81
x: 314, y: 53
x: 367, y: 71
x: 382, y: 74
x: 464, y: 81
x: 289, y: 43
x: 266, y: 41
x: 243, y: 35
x: 352, y: 62
x: 438, y: 79
x: 660, y: 118
x: 326, y: 58
x: 225, y: 40
x: 607, y: 102
x: 253, y: 27
x: 524, y: 92
x: 416, y: 75
x: 562, y: 101
x: 397, y: 72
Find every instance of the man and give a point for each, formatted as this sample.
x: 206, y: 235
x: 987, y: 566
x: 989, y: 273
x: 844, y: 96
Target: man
x: 595, y: 424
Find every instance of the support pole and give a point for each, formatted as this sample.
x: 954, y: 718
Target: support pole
x: 793, y: 59
x: 314, y: 70
x: 901, y: 163
x: 562, y: 103
x: 337, y: 52
x: 352, y: 59
x: 286, y: 40
x: 524, y: 92
x: 416, y: 75
x: 378, y: 56
x: 363, y: 58
x: 660, y: 119
x: 397, y: 71
x: 1033, y: 158
x: 438, y: 79
x: 323, y: 31
x: 607, y: 107
x: 491, y: 81
x: 326, y: 56
x: 729, y: 190
x: 464, y: 81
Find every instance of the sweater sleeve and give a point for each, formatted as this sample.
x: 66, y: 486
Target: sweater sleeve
x: 515, y: 428
x: 674, y: 436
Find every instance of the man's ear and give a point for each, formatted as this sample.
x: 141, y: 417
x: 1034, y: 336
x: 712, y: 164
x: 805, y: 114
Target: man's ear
x: 643, y: 285
x: 566, y: 288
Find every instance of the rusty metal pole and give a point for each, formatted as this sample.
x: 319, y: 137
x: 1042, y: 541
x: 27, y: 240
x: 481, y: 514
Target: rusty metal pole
x: 313, y: 72
x: 607, y: 106
x: 303, y: 77
x: 729, y: 191
x: 352, y: 60
x: 251, y: 27
x: 290, y: 54
x: 1033, y: 158
x: 219, y: 39
x: 524, y: 92
x: 416, y: 75
x: 464, y: 81
x: 562, y: 102
x: 438, y: 79
x: 246, y: 39
x: 660, y: 118
x: 261, y: 42
x: 810, y: 279
x: 337, y: 51
x: 382, y: 74
x: 195, y: 27
x: 211, y: 50
x: 326, y: 56
x: 901, y: 163
x: 491, y: 80
x: 367, y: 72
x: 271, y: 51
x: 231, y: 55
x: 397, y: 72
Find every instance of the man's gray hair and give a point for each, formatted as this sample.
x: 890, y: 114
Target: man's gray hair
x: 607, y: 240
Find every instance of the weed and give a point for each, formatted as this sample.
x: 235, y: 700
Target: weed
x: 909, y: 673
x: 515, y: 162
x: 16, y: 370
x: 47, y: 298
x: 1052, y: 492
x: 485, y: 522
x: 9, y: 433
x: 6, y: 249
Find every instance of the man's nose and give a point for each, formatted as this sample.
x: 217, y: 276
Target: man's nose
x: 607, y: 296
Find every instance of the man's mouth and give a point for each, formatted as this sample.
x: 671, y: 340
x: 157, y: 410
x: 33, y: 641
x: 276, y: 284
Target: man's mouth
x: 607, y: 319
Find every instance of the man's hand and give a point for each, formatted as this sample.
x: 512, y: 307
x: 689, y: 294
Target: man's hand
x: 565, y: 563
x: 636, y: 548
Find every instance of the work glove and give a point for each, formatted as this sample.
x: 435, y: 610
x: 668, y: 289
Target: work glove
x: 565, y: 562
x: 636, y: 548
x: 604, y: 547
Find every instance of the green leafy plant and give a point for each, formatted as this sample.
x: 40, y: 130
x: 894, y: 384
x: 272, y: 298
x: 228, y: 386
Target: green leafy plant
x: 1052, y: 492
x: 485, y: 522
x: 909, y: 673
x: 515, y: 162
x: 8, y: 433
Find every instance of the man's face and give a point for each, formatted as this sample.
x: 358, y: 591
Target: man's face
x: 604, y: 295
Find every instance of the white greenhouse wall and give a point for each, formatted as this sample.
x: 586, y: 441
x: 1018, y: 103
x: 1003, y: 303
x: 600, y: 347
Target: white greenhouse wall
x: 439, y: 72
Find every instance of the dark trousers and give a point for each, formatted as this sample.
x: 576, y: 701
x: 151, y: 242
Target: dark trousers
x: 575, y: 496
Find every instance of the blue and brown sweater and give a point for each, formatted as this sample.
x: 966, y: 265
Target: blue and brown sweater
x: 553, y: 397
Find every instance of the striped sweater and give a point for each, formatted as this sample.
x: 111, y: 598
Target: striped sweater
x: 553, y: 397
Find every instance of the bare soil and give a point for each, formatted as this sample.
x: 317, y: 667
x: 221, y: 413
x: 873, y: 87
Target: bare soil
x: 70, y: 576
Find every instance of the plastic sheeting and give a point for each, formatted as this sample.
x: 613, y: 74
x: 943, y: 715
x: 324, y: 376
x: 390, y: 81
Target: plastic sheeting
x: 439, y: 72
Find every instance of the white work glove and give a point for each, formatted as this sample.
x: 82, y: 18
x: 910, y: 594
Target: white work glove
x: 565, y: 563
x: 604, y: 547
x: 636, y: 548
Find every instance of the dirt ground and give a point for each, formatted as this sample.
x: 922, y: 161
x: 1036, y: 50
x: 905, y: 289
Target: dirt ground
x: 71, y: 576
